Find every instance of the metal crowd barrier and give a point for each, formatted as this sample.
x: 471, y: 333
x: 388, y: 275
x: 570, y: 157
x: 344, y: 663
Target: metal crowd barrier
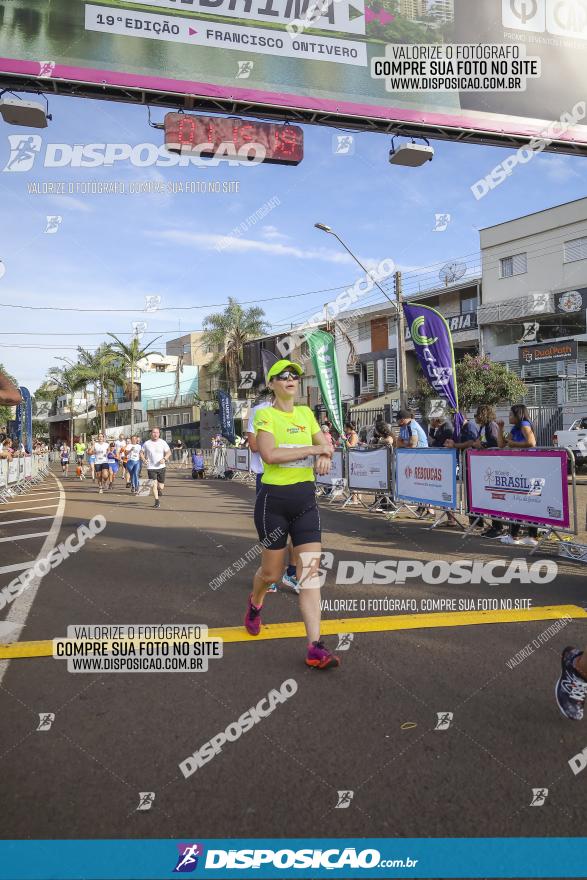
x: 514, y: 486
x: 541, y: 479
x: 17, y: 476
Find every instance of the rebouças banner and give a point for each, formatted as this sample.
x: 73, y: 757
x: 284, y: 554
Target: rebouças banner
x: 427, y: 476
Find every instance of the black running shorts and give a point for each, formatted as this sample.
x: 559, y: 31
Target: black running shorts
x: 287, y: 510
x: 101, y: 467
x: 157, y: 474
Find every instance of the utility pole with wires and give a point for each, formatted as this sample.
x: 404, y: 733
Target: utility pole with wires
x: 401, y: 341
x: 397, y: 304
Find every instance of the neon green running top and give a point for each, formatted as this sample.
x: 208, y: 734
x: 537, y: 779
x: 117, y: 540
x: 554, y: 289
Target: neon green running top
x: 290, y: 430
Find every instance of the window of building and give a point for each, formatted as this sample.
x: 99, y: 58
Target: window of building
x: 390, y: 371
x: 159, y: 368
x: 187, y: 349
x: 576, y: 249
x: 185, y: 418
x: 468, y: 303
x: 368, y: 376
x: 515, y: 265
x: 507, y: 334
x: 364, y: 330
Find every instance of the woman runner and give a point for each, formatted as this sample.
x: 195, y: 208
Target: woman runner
x: 291, y: 445
x: 133, y: 463
x: 112, y: 464
x: 65, y: 459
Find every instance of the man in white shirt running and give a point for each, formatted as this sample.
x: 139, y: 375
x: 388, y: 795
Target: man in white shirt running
x: 156, y: 453
x: 100, y: 449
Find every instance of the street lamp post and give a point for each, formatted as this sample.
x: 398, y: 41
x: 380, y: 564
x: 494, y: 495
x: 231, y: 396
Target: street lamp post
x: 397, y: 304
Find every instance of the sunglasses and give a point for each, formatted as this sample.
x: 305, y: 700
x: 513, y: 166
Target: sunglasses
x: 283, y: 377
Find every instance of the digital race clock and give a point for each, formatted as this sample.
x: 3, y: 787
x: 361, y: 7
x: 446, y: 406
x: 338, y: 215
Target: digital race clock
x: 184, y: 133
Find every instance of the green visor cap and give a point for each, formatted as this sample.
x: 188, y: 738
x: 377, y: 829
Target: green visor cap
x: 282, y: 365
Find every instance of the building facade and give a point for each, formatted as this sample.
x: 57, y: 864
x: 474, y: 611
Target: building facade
x: 415, y: 10
x: 442, y: 11
x: 533, y: 314
x: 194, y: 352
x: 366, y: 343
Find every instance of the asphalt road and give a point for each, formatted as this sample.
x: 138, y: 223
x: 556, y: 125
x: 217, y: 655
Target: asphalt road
x: 367, y: 727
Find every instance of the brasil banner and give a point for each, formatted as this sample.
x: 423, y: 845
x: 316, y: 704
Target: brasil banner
x: 323, y: 355
x: 432, y: 340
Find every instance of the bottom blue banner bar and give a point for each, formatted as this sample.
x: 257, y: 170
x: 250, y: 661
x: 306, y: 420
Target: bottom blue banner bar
x: 302, y: 858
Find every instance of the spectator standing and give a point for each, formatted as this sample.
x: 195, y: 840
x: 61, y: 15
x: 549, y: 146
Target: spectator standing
x: 467, y: 438
x: 521, y: 436
x: 352, y: 441
x: 412, y: 436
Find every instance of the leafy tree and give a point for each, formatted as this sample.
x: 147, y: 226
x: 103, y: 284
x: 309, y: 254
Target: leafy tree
x: 227, y: 332
x: 479, y: 381
x: 130, y: 353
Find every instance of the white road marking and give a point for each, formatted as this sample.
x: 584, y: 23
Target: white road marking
x: 26, y: 500
x: 28, y: 509
x: 42, y: 492
x: 24, y: 537
x: 19, y: 610
x: 10, y: 522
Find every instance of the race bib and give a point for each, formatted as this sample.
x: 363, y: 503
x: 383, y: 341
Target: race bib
x: 306, y: 462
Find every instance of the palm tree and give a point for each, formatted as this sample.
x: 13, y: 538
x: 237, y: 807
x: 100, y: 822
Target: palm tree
x: 130, y: 354
x: 227, y: 332
x: 65, y: 380
x: 103, y: 368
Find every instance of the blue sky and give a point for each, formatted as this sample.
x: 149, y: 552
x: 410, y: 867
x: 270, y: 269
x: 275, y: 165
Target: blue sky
x: 113, y: 250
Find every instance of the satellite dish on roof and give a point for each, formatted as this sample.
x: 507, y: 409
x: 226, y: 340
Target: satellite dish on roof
x: 451, y: 272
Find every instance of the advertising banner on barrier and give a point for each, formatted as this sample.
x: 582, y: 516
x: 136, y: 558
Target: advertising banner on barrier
x: 427, y: 476
x: 242, y: 459
x: 336, y: 474
x: 231, y: 459
x: 526, y: 485
x: 28, y: 467
x: 369, y: 470
x: 13, y: 471
x: 3, y: 472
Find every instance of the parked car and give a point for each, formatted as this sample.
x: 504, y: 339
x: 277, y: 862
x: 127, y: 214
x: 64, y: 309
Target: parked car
x: 574, y: 438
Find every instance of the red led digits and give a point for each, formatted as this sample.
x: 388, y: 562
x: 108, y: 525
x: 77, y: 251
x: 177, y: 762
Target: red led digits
x: 284, y: 144
x: 186, y: 130
x: 246, y: 133
x: 287, y: 142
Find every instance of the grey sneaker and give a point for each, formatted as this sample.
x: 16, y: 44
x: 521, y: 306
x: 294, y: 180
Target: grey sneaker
x: 571, y: 688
